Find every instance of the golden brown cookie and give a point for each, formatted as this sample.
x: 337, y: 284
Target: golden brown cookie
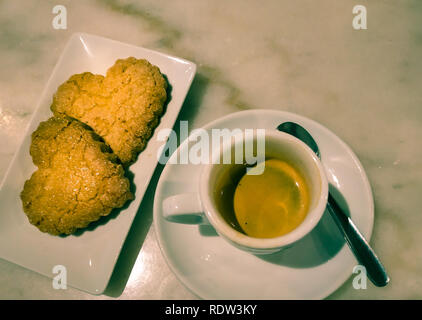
x: 78, y: 180
x: 123, y: 107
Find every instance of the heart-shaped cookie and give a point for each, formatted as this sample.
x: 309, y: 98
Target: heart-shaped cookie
x: 123, y: 107
x: 78, y: 180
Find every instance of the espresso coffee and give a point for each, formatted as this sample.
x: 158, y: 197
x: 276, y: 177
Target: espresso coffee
x: 267, y: 205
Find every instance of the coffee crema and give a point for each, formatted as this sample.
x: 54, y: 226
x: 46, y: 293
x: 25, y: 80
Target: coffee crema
x: 267, y: 205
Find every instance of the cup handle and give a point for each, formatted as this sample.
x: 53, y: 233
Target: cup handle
x: 184, y: 208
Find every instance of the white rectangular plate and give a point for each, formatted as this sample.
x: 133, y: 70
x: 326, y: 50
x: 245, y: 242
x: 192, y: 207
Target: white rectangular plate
x: 90, y: 257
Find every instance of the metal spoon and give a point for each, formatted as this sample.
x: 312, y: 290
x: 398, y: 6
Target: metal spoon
x: 356, y: 241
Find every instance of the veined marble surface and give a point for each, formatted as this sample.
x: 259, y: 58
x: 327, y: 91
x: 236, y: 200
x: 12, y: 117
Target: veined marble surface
x: 299, y: 56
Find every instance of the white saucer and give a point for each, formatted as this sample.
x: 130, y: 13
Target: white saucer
x: 312, y: 269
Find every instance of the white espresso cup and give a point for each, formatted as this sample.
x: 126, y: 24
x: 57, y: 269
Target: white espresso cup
x: 201, y: 207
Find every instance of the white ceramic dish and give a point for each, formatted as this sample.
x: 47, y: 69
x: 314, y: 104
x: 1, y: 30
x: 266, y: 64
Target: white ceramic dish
x: 311, y: 269
x: 89, y: 257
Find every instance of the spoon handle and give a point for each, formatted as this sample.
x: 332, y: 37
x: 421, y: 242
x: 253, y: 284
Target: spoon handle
x: 358, y: 244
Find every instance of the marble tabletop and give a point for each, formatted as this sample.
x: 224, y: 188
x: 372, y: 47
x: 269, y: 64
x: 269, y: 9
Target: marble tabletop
x: 299, y: 56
